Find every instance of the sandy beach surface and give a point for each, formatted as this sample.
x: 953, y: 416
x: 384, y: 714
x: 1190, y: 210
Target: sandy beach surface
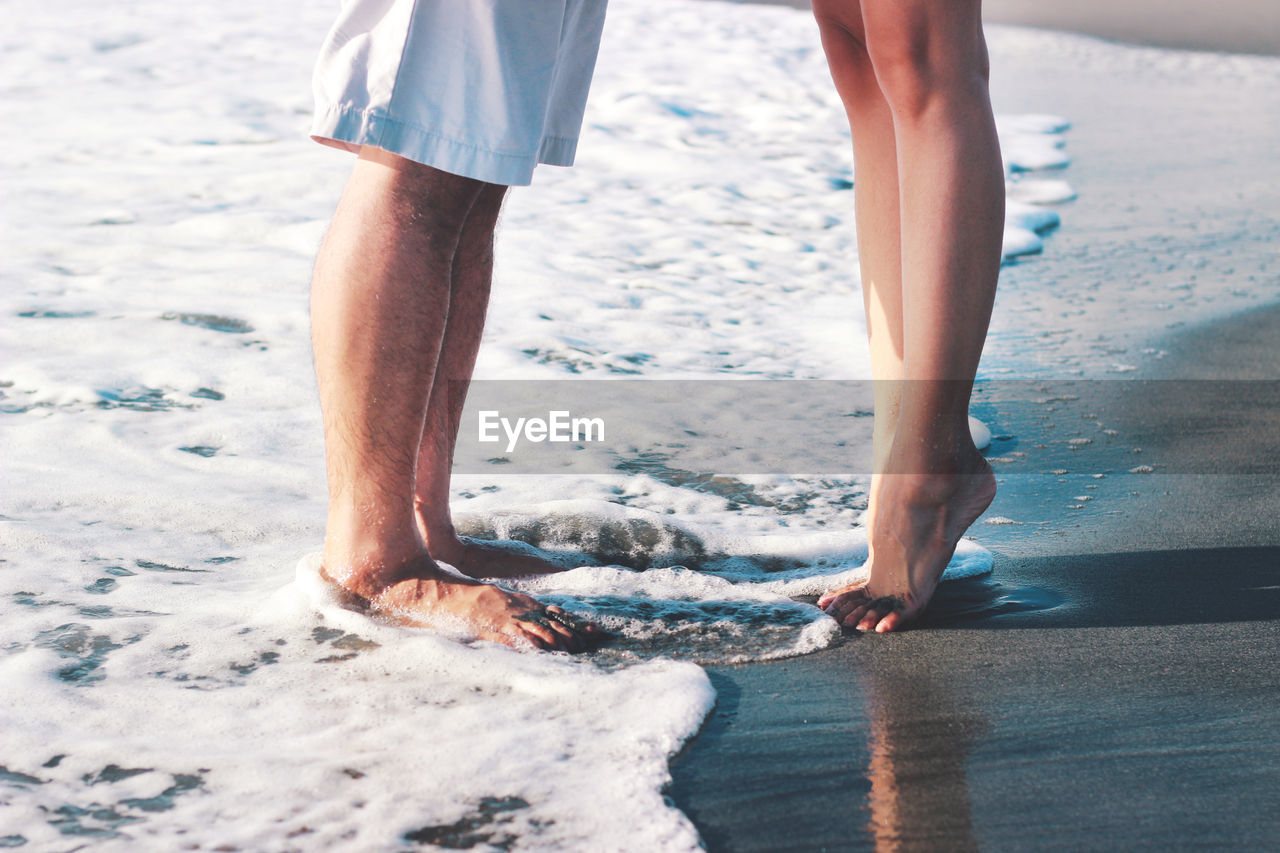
x: 1247, y: 26
x: 1113, y: 687
x: 1113, y: 684
x: 1250, y: 26
x: 176, y: 674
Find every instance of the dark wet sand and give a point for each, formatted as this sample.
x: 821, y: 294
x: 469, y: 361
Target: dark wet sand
x: 1120, y: 689
x: 1244, y: 26
x: 1241, y: 26
x: 1115, y: 683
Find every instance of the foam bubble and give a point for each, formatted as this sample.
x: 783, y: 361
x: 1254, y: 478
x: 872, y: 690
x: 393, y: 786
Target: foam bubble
x: 980, y: 432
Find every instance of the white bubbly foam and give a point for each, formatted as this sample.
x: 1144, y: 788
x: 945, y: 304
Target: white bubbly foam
x: 163, y: 450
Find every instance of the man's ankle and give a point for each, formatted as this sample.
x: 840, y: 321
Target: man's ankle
x: 446, y: 545
x: 439, y: 534
x: 367, y: 564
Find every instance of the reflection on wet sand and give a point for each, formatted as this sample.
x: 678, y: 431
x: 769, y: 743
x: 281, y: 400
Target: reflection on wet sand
x: 1109, y: 697
x: 920, y: 738
x: 863, y: 748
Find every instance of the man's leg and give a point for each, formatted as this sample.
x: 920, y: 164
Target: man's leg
x: 380, y: 302
x: 470, y: 281
x: 930, y: 61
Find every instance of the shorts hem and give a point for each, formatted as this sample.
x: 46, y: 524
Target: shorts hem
x: 347, y: 128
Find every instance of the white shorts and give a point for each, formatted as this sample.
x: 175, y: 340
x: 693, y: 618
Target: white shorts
x: 486, y: 89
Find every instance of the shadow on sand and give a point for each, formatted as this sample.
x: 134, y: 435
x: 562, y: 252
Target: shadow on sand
x: 1176, y: 587
x: 1123, y: 711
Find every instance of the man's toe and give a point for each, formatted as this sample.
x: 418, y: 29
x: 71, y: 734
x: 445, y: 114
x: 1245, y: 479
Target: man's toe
x: 853, y: 615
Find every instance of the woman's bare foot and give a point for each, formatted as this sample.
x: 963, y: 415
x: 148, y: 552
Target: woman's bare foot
x: 420, y: 594
x: 917, y: 521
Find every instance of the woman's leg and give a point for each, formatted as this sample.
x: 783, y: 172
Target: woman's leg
x: 930, y: 62
x: 876, y: 210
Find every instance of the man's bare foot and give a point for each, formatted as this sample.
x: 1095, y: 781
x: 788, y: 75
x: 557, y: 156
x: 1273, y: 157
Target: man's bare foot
x: 482, y: 558
x: 917, y: 523
x: 420, y: 594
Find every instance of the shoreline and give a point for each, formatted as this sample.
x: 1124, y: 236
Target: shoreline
x: 166, y: 448
x: 1236, y: 26
x: 1094, y: 684
x: 1114, y: 680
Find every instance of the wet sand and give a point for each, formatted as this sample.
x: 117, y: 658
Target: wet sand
x: 1123, y: 721
x: 1246, y: 26
x: 1116, y: 690
x: 1115, y: 683
x: 1241, y: 26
